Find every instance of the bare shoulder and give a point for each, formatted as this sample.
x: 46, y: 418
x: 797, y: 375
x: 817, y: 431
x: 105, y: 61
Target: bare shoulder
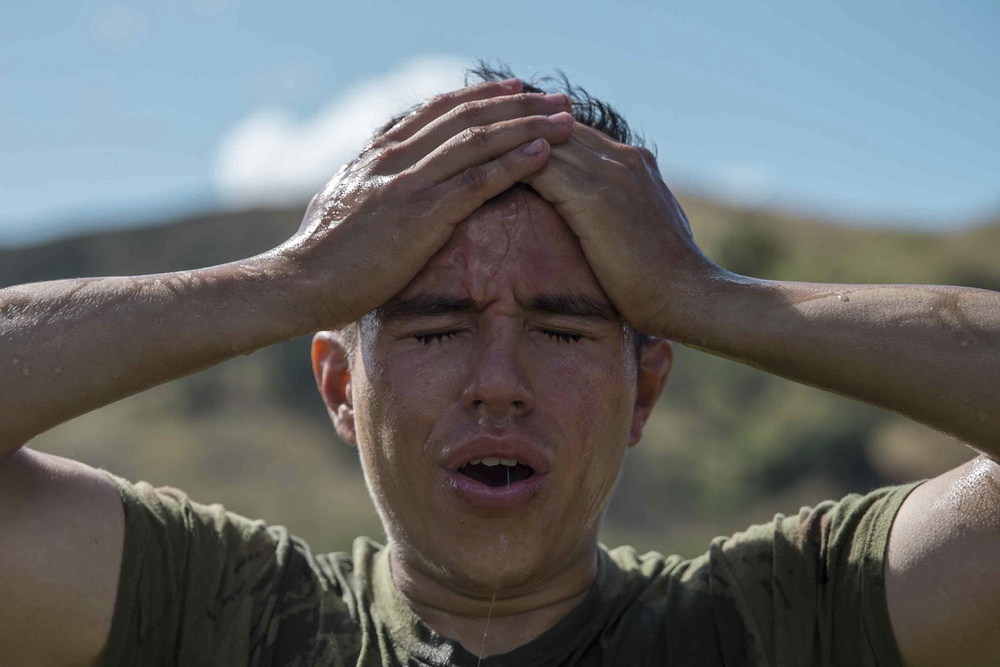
x: 942, y: 579
x: 63, y: 528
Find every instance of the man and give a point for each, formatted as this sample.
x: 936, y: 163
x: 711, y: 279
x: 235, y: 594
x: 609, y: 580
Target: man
x: 479, y: 342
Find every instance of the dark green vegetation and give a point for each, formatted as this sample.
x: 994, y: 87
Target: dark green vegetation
x: 728, y: 445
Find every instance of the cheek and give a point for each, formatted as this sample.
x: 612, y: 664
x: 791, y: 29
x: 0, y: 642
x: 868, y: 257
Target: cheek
x: 416, y: 391
x: 596, y: 386
x: 402, y: 398
x: 595, y: 406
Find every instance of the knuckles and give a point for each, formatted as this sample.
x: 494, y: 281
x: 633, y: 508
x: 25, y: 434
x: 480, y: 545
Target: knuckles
x: 647, y: 155
x: 477, y: 136
x: 439, y: 103
x: 475, y: 111
x: 634, y: 158
x: 472, y: 109
x: 474, y: 179
x: 621, y: 172
x: 386, y: 158
x: 526, y: 101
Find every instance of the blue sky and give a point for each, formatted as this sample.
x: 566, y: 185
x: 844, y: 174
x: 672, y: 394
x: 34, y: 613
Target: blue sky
x: 113, y: 113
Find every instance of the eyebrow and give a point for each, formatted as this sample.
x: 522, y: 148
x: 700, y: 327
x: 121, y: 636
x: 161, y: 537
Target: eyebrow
x: 425, y: 305
x: 573, y: 305
x: 431, y: 305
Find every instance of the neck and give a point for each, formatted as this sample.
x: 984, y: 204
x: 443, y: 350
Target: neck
x: 499, y: 621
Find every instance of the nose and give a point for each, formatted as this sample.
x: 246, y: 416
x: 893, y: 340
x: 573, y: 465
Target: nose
x: 499, y: 385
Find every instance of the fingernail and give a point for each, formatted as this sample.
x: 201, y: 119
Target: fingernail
x: 558, y: 98
x: 535, y: 147
x: 562, y: 119
x: 510, y: 84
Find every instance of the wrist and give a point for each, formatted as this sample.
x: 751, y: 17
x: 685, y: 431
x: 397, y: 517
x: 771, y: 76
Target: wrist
x: 274, y: 297
x: 719, y: 311
x: 694, y: 299
x: 307, y: 279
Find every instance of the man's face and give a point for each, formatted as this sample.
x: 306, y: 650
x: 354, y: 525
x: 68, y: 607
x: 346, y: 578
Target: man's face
x: 503, y: 346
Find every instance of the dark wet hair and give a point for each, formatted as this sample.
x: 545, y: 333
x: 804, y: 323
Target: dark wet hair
x: 586, y: 109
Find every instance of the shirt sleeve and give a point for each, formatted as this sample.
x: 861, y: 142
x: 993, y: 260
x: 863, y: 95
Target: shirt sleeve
x: 197, y: 584
x: 811, y: 587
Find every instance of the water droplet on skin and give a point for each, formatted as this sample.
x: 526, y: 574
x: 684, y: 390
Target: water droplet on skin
x: 25, y: 371
x: 843, y: 297
x: 57, y: 370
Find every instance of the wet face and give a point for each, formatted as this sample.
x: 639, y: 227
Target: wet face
x: 494, y: 399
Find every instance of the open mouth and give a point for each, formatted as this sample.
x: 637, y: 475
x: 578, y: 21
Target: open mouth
x: 496, y: 471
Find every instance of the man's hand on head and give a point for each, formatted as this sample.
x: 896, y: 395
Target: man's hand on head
x: 632, y: 229
x: 371, y: 229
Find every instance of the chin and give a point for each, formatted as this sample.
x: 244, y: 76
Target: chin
x: 494, y: 557
x: 484, y: 569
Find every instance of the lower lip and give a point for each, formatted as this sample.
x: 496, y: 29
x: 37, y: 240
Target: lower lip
x: 494, y: 497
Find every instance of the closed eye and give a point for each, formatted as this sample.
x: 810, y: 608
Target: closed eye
x: 563, y: 337
x: 441, y: 336
x: 429, y: 338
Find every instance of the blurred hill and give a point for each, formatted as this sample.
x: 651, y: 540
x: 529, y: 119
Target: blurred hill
x: 726, y: 447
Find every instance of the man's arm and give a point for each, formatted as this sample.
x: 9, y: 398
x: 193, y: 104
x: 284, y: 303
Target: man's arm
x: 74, y: 345
x: 71, y: 346
x: 930, y: 353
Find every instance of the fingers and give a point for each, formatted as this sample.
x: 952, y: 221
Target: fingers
x: 601, y: 143
x: 595, y: 139
x: 576, y: 178
x: 595, y: 155
x: 563, y: 181
x: 478, y: 145
x: 469, y: 189
x: 442, y: 104
x: 575, y: 170
x: 480, y: 113
x: 580, y: 156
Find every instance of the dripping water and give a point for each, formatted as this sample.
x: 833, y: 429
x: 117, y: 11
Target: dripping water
x: 489, y: 614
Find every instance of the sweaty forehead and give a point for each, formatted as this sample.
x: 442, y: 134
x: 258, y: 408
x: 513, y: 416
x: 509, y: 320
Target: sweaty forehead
x: 517, y: 242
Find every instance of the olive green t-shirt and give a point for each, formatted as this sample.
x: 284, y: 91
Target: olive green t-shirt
x: 202, y: 586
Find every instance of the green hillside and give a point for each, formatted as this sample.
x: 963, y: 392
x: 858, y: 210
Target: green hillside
x: 728, y: 445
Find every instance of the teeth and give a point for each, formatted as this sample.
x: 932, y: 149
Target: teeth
x: 493, y: 461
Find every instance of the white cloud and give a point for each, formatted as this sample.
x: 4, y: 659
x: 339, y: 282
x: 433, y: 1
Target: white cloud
x: 272, y: 158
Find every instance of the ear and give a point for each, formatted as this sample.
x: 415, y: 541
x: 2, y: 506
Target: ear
x: 333, y: 378
x: 654, y: 367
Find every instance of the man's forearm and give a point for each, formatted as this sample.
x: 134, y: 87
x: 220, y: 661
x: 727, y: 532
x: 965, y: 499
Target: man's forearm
x: 75, y: 345
x: 930, y: 353
x: 71, y: 346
